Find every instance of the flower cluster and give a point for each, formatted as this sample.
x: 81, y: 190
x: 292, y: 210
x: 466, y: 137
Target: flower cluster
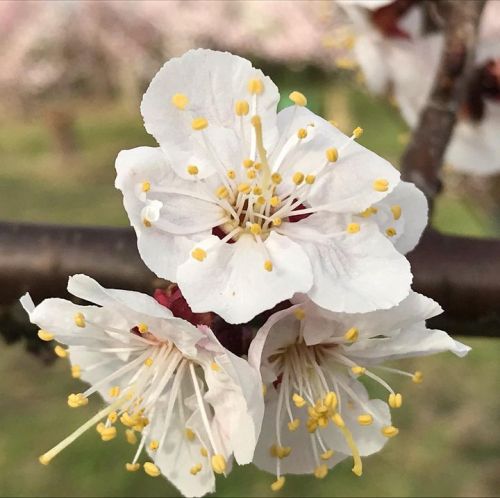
x: 280, y: 231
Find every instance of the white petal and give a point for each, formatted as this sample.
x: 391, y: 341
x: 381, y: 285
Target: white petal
x: 163, y: 252
x: 345, y: 185
x: 413, y: 219
x: 212, y: 81
x: 353, y: 273
x: 233, y: 282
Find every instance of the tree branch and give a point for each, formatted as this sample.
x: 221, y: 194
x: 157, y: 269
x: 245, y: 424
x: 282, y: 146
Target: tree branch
x: 460, y: 273
x: 423, y: 158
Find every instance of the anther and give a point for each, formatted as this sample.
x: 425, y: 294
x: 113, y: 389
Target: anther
x: 180, y: 101
x: 132, y: 467
x: 198, y: 254
x: 255, y: 86
x: 390, y: 232
x: 298, y: 178
x: 151, y: 469
x: 61, y: 352
x: 298, y: 400
x: 190, y: 435
x: 310, y: 179
x: 327, y: 455
x: 390, y: 431
x: 277, y: 221
x: 76, y: 400
x: 321, y: 471
x: 418, y: 377
x: 298, y: 98
x: 76, y: 371
x: 241, y: 108
x: 142, y: 328
x: 261, y: 200
x: 192, y: 169
x: 195, y: 469
x: 251, y: 174
x: 294, y: 424
x: 130, y: 436
x: 108, y: 433
x: 44, y: 335
x: 215, y: 367
x: 275, y: 200
x: 203, y: 452
x: 257, y: 191
x: 353, y: 228
x: 332, y: 154
x: 255, y: 228
x: 357, y: 132
x: 114, y: 391
x: 147, y: 223
x: 268, y: 265
x: 257, y: 166
x: 231, y: 174
x: 145, y: 186
x: 79, y: 320
x: 352, y: 334
x: 356, y: 370
x: 365, y: 419
x: 248, y: 163
x: 395, y: 400
x: 148, y: 362
x: 301, y: 133
x: 278, y: 484
x: 222, y: 192
x: 369, y: 212
x: 299, y: 313
x: 154, y: 444
x: 113, y: 417
x: 330, y: 400
x: 244, y: 188
x: 256, y: 121
x: 218, y: 464
x: 338, y: 420
x: 381, y: 185
x: 276, y: 178
x: 396, y: 211
x: 199, y: 124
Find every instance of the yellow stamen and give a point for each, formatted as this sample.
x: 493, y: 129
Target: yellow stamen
x: 247, y: 163
x: 148, y: 362
x: 277, y: 221
x: 199, y: 254
x: 76, y: 371
x: 132, y: 467
x: 278, y: 484
x: 255, y: 86
x: 390, y: 431
x: 298, y: 98
x: 61, y: 352
x: 151, y: 469
x: 180, y: 101
x: 294, y: 424
x: 391, y: 231
x: 381, y: 185
x: 77, y: 400
x: 199, y: 124
x: 298, y: 178
x: 358, y: 465
x: 79, y: 319
x: 154, y: 444
x: 146, y: 186
x: 241, y: 108
x: 257, y: 191
x: 203, y: 452
x: 190, y: 435
x: 147, y: 223
x: 192, y: 169
x: 321, y: 471
x: 218, y: 464
x: 330, y: 400
x: 114, y: 391
x: 395, y: 400
x: 369, y: 212
x: 131, y: 437
x: 301, y: 133
x: 353, y: 228
x: 222, y: 192
x: 257, y: 166
x: 268, y: 265
x: 244, y: 188
x: 255, y: 228
x: 358, y: 370
x: 261, y: 200
x: 231, y: 174
x: 352, y: 334
x: 338, y: 420
x: 108, y: 433
x: 299, y: 313
x: 195, y: 469
x: 44, y: 335
x: 357, y: 132
x: 215, y: 367
x: 310, y: 179
x: 327, y: 455
x: 113, y: 417
x: 142, y: 328
x: 275, y: 201
x: 418, y: 377
x: 396, y: 211
x: 365, y: 419
x: 298, y: 400
x: 332, y: 154
x: 276, y: 178
x: 251, y: 174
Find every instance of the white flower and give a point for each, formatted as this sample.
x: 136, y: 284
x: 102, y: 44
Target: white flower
x: 182, y: 396
x: 244, y: 207
x: 317, y: 412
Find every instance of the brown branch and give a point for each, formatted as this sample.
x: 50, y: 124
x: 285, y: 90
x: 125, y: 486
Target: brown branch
x: 461, y: 274
x: 423, y: 158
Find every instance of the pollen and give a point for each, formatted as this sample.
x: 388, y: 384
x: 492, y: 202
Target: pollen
x: 268, y: 265
x: 108, y: 433
x: 180, y: 101
x: 332, y: 154
x: 298, y: 178
x: 231, y: 174
x: 321, y: 471
x: 248, y: 163
x: 61, y: 352
x: 276, y: 178
x: 251, y: 174
x: 381, y: 185
x: 277, y: 221
x: 301, y: 133
x: 77, y: 400
x: 142, y: 328
x: 391, y: 231
x: 113, y: 417
x: 76, y: 371
x: 298, y: 98
x: 199, y: 254
x: 244, y: 188
x: 395, y: 400
x: 203, y: 452
x: 294, y: 424
x: 147, y: 223
x: 369, y: 212
x: 255, y: 86
x: 330, y: 400
x: 192, y: 169
x: 154, y: 444
x: 241, y: 108
x: 114, y: 391
x: 190, y: 435
x: 79, y: 320
x: 151, y: 469
x: 44, y: 335
x: 298, y: 400
x: 132, y: 467
x: 215, y: 367
x: 218, y: 464
x: 353, y: 228
x: 310, y: 179
x: 327, y: 455
x: 257, y: 191
x: 357, y: 132
x: 356, y: 370
x: 130, y: 436
x: 275, y: 201
x: 396, y: 211
x: 199, y: 124
x: 365, y: 419
x: 148, y: 361
x: 261, y: 200
x: 195, y: 469
x: 257, y: 166
x: 145, y: 186
x: 338, y: 420
x: 299, y: 313
x: 390, y: 431
x: 278, y: 484
x: 255, y: 229
x: 418, y: 377
x: 352, y: 334
x: 222, y: 192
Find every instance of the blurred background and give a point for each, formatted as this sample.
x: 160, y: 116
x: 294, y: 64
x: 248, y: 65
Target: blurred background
x: 71, y: 78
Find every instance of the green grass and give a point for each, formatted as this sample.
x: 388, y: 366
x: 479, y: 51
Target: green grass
x: 449, y: 442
